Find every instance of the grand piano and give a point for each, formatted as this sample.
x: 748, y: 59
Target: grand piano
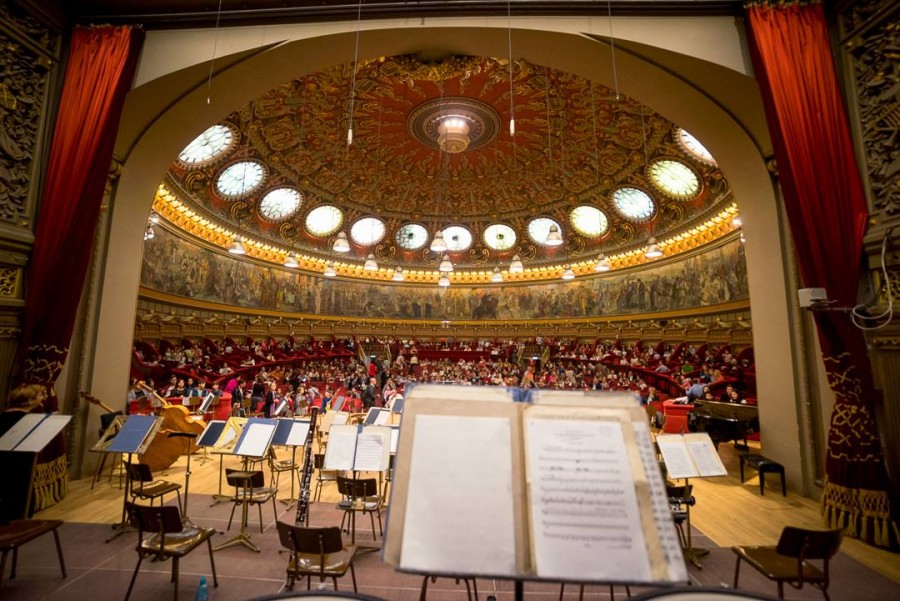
x: 726, y: 421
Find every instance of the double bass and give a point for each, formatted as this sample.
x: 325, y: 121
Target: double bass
x: 176, y: 418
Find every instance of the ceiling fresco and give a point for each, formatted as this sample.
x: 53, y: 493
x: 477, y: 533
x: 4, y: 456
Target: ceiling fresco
x: 577, y: 147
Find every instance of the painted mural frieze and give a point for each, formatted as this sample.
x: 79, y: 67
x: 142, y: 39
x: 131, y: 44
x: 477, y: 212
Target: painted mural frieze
x: 24, y: 78
x: 176, y: 266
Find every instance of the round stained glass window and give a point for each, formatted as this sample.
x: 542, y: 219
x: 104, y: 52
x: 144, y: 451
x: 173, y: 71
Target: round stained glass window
x: 208, y: 145
x: 539, y: 229
x: 675, y: 179
x: 324, y: 220
x: 693, y: 146
x: 280, y: 203
x: 412, y: 236
x: 633, y: 203
x: 457, y: 238
x: 589, y: 221
x: 499, y: 236
x: 367, y: 231
x: 240, y: 178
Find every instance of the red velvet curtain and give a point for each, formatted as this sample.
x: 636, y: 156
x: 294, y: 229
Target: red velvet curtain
x: 101, y: 67
x: 827, y: 212
x: 102, y: 62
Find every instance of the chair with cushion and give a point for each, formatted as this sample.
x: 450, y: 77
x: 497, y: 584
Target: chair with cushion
x: 250, y: 489
x: 323, y: 476
x: 168, y: 539
x: 144, y: 487
x: 359, y: 496
x: 18, y: 532
x: 789, y: 560
x: 316, y: 552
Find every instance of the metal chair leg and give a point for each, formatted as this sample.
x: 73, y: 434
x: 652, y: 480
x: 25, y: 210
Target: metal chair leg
x: 137, y: 569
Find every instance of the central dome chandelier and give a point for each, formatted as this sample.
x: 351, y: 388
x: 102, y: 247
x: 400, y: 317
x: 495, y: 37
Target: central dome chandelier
x: 453, y: 135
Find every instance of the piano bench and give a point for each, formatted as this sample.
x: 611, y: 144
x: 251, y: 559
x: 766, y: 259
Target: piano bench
x: 763, y: 465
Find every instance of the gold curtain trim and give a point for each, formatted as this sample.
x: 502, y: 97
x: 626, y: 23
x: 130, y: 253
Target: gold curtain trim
x: 51, y: 481
x: 779, y: 3
x: 862, y: 513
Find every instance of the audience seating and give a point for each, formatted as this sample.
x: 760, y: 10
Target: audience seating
x: 18, y: 532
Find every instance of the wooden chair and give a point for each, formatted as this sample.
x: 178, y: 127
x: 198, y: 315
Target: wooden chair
x: 168, y: 539
x: 279, y: 466
x: 250, y: 489
x: 789, y: 560
x: 323, y: 476
x: 359, y: 496
x: 144, y: 487
x: 316, y: 552
x: 18, y: 532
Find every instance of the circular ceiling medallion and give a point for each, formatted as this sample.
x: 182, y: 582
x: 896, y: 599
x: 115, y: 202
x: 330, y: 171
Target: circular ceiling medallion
x: 470, y: 124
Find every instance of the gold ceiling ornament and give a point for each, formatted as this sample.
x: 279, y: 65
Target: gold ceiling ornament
x: 438, y: 67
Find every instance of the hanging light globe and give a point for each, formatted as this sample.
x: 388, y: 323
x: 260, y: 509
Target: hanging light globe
x: 554, y: 238
x: 568, y: 274
x: 446, y: 266
x: 602, y: 263
x: 398, y: 275
x: 237, y: 248
x: 370, y: 264
x: 438, y: 245
x: 516, y: 265
x: 653, y: 250
x: 341, y: 244
x: 291, y: 262
x: 496, y: 277
x: 329, y: 270
x: 444, y: 281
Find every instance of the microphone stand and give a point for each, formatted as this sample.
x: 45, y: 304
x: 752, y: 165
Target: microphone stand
x: 187, y: 474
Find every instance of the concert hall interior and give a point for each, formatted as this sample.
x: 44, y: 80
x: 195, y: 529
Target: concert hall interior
x: 221, y: 210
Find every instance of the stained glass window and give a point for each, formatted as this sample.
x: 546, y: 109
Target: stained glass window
x: 412, y: 236
x: 367, y: 231
x: 499, y: 236
x: 693, y: 145
x: 633, y: 203
x: 280, y: 203
x: 207, y: 146
x: 539, y: 229
x: 675, y: 178
x: 239, y: 178
x: 589, y: 221
x: 324, y: 220
x: 457, y: 238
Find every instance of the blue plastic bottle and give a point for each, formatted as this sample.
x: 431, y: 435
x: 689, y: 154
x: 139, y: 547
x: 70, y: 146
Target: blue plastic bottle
x: 202, y: 593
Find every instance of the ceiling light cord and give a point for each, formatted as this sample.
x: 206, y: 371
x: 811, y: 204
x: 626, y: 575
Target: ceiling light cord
x: 353, y: 78
x: 512, y: 108
x: 612, y: 47
x: 212, y: 61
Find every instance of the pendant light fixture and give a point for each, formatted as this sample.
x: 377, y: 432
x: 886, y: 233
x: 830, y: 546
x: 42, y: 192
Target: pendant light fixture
x: 149, y: 234
x: 446, y: 266
x: 329, y: 270
x: 496, y: 277
x: 652, y: 250
x: 568, y: 273
x: 291, y: 261
x: 554, y: 238
x: 237, y: 247
x: 371, y: 264
x: 516, y: 265
x: 398, y: 275
x: 444, y: 281
x: 341, y: 244
x: 602, y: 263
x: 438, y: 245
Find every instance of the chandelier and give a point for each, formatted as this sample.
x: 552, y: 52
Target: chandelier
x: 453, y: 135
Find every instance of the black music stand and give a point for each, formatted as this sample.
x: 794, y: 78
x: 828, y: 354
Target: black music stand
x: 291, y: 433
x: 135, y: 436
x: 255, y: 440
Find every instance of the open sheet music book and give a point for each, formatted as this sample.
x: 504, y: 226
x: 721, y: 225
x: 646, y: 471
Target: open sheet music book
x: 690, y: 455
x: 358, y: 448
x: 33, y: 432
x: 136, y: 434
x: 562, y: 487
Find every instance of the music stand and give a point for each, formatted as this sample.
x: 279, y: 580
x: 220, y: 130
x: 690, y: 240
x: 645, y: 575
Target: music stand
x: 204, y: 405
x: 255, y: 440
x: 228, y: 436
x: 102, y: 445
x: 135, y: 436
x: 291, y: 433
x: 279, y: 408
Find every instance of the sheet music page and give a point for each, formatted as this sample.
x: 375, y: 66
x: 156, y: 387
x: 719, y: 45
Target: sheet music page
x: 340, y: 418
x: 212, y: 433
x: 41, y: 436
x: 705, y: 456
x: 383, y: 417
x: 676, y: 457
x: 395, y: 438
x: 459, y: 513
x: 20, y: 430
x: 584, y: 512
x: 297, y: 436
x: 373, y: 451
x: 341, y: 448
x: 255, y: 439
x: 227, y: 437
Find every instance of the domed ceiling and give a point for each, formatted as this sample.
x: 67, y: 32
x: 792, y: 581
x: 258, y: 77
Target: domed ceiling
x: 432, y: 151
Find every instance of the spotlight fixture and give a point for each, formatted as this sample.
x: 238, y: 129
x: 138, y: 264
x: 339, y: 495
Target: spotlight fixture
x: 154, y: 217
x: 736, y: 221
x: 553, y: 237
x: 602, y: 263
x: 568, y: 274
x: 149, y: 234
x: 370, y: 265
x: 398, y: 275
x: 444, y: 281
x: 516, y: 265
x: 446, y: 266
x: 291, y: 261
x: 329, y: 270
x: 496, y: 276
x: 438, y: 245
x: 653, y: 250
x: 341, y: 244
x: 237, y: 248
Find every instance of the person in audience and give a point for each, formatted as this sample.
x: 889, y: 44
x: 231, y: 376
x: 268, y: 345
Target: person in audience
x: 736, y: 397
x: 270, y: 399
x: 726, y: 396
x: 237, y: 396
x: 370, y: 393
